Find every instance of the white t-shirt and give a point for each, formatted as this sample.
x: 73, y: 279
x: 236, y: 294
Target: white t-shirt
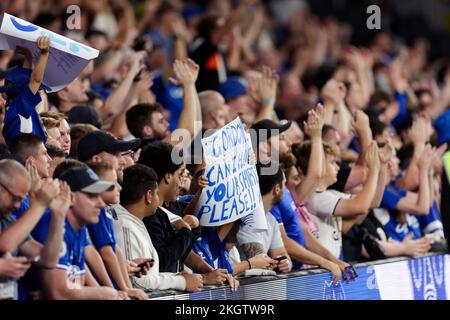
x: 270, y: 238
x: 321, y: 205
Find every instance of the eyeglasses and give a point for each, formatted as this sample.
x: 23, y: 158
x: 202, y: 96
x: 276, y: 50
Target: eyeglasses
x: 15, y: 199
x: 129, y: 153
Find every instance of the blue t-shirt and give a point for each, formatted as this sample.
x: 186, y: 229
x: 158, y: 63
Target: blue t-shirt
x: 21, y: 116
x: 286, y: 213
x: 394, y: 229
x: 102, y: 233
x: 212, y: 250
x: 402, y: 116
x: 170, y: 97
x: 40, y: 231
x: 432, y: 223
x: 72, y: 255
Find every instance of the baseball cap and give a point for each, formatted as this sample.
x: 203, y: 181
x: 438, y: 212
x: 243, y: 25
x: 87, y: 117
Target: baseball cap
x: 268, y: 126
x: 99, y: 141
x: 233, y: 87
x: 83, y: 114
x: 15, y: 79
x: 85, y: 180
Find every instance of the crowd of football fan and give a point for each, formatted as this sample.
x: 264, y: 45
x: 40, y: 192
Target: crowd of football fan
x: 93, y: 205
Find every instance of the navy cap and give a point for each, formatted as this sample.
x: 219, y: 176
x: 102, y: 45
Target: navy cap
x: 99, y: 141
x: 17, y: 77
x: 269, y: 126
x: 82, y: 179
x: 233, y: 87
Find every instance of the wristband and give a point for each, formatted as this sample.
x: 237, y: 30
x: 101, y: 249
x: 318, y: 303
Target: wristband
x: 249, y: 264
x: 267, y: 102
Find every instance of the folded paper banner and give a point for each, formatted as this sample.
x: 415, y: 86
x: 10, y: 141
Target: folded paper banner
x: 67, y: 57
x: 233, y: 191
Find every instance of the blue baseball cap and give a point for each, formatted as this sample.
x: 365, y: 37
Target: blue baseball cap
x: 15, y: 80
x: 233, y: 87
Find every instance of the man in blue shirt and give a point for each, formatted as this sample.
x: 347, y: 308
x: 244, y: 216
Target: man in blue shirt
x: 21, y: 88
x: 70, y: 279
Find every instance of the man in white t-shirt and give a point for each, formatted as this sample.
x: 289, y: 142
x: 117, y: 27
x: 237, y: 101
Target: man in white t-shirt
x: 252, y: 243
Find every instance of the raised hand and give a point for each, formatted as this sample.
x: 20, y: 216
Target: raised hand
x: 360, y: 121
x: 35, y: 179
x: 264, y: 88
x: 202, y: 182
x: 43, y: 43
x: 47, y: 193
x: 425, y: 158
x: 186, y: 72
x: 61, y: 204
x: 313, y: 126
x: 386, y: 153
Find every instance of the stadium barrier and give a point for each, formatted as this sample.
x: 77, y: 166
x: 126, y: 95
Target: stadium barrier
x: 426, y: 278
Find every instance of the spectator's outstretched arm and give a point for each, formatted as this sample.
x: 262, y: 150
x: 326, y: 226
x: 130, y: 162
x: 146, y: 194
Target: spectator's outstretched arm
x: 315, y: 164
x: 43, y: 43
x: 361, y: 125
x: 360, y: 204
x: 186, y: 72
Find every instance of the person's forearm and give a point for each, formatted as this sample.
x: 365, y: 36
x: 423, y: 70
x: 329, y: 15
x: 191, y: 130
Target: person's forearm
x: 315, y: 169
x: 115, y: 103
x: 123, y: 266
x: 179, y: 48
x: 300, y: 254
x: 12, y: 237
x: 365, y: 138
x: 38, y: 72
x: 423, y: 199
x: 188, y: 113
x: 50, y: 252
x: 381, y: 185
x: 113, y: 267
x: 265, y: 112
x: 363, y: 200
x: 234, y: 55
x: 312, y: 244
x: 107, y: 67
x: 329, y: 108
x: 392, y: 248
x: 97, y: 267
x: 239, y: 267
x: 197, y: 264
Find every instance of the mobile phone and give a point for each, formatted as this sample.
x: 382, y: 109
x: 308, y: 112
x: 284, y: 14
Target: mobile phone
x: 352, y: 275
x: 280, y: 258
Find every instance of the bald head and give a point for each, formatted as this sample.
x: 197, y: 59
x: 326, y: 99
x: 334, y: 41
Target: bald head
x: 213, y: 108
x: 10, y: 169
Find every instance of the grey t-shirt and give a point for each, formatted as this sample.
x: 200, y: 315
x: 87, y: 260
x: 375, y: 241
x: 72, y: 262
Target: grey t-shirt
x: 8, y: 288
x: 270, y: 238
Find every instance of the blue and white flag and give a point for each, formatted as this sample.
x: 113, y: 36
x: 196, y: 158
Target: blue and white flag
x: 67, y: 57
